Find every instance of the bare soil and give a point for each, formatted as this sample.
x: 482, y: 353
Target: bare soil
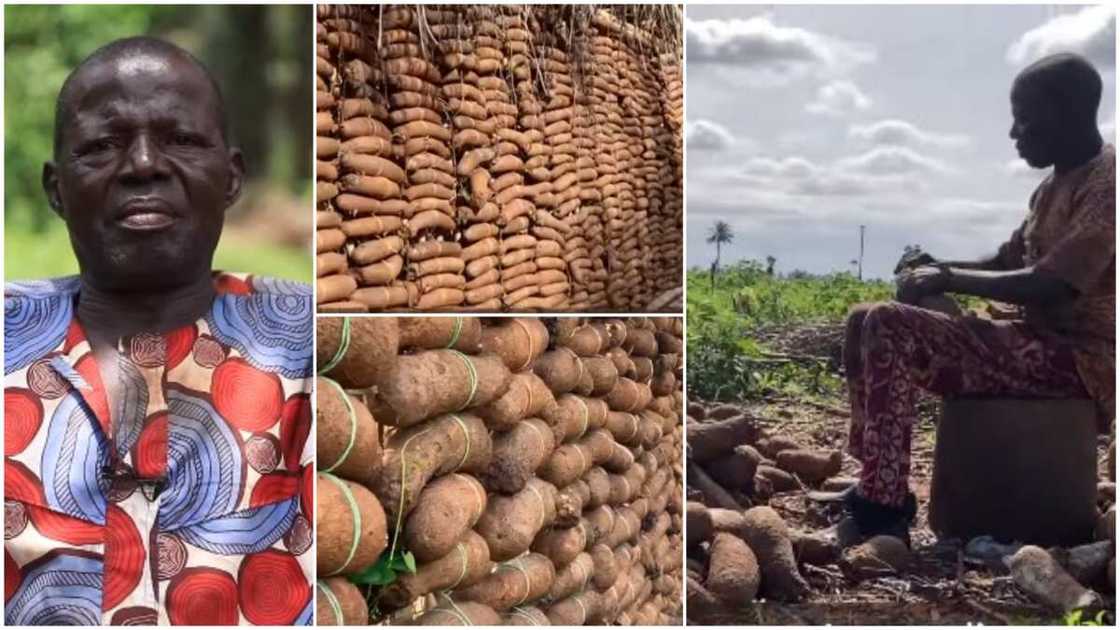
x: 940, y: 587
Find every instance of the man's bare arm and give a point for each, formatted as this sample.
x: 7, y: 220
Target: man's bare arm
x: 988, y: 263
x: 993, y: 262
x: 1019, y: 286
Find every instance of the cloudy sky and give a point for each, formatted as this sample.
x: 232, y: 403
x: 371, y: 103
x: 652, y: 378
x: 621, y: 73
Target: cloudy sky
x: 805, y: 122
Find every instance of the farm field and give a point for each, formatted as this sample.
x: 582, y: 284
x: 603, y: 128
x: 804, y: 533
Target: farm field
x: 765, y: 351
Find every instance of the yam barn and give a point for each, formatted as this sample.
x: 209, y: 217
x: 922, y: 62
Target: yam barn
x: 499, y: 157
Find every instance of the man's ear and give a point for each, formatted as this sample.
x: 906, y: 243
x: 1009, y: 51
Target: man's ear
x: 50, y: 187
x: 236, y: 176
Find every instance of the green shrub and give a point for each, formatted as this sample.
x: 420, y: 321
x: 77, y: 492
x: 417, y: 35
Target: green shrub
x: 725, y: 363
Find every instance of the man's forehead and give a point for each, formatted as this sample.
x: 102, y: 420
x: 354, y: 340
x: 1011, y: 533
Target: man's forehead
x: 154, y: 110
x: 160, y: 71
x: 123, y: 92
x: 117, y: 84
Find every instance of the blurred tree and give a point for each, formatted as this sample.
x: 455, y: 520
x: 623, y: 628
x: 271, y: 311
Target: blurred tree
x: 244, y: 30
x: 299, y: 116
x: 720, y: 233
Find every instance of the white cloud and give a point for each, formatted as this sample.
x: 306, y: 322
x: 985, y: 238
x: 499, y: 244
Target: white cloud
x: 880, y: 170
x: 1019, y: 169
x: 807, y: 173
x: 792, y: 167
x: 784, y: 180
x: 901, y: 133
x: 892, y: 160
x: 976, y: 212
x: 781, y: 52
x: 839, y: 98
x: 1108, y: 130
x: 831, y: 182
x: 796, y: 140
x: 707, y: 135
x: 1090, y: 32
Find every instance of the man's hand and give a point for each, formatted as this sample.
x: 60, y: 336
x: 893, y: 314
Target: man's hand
x: 914, y: 284
x: 913, y: 259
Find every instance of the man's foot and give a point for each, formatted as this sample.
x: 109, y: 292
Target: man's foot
x: 832, y: 496
x: 844, y: 533
x: 865, y: 519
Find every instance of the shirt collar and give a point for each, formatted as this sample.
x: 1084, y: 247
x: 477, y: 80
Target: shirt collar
x: 73, y: 360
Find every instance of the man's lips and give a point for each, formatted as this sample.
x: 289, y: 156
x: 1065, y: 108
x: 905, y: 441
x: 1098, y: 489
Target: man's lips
x: 146, y: 214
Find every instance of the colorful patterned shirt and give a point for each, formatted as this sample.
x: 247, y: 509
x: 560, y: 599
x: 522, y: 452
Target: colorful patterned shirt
x: 188, y: 502
x: 1070, y: 233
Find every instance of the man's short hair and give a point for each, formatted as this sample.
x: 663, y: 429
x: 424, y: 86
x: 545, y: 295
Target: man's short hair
x: 1070, y: 81
x: 127, y: 47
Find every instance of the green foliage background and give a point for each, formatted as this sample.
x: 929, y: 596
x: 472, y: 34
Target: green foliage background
x: 723, y: 358
x: 261, y: 57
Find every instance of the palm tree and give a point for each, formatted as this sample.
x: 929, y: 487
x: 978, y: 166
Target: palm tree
x: 719, y: 234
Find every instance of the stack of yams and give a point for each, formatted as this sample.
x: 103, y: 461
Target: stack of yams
x: 494, y: 158
x: 531, y: 468
x: 667, y: 244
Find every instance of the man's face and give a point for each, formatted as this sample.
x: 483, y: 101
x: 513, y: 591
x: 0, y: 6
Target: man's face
x: 143, y: 175
x: 1034, y: 129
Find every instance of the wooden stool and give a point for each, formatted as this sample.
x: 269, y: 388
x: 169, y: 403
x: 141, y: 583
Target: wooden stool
x: 1018, y: 470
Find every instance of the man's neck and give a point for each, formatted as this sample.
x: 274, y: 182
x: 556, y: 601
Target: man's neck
x: 1080, y: 151
x: 107, y: 315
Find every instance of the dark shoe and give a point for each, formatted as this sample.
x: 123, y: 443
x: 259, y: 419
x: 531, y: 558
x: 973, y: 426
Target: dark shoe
x: 845, y: 533
x: 835, y: 496
x: 865, y: 519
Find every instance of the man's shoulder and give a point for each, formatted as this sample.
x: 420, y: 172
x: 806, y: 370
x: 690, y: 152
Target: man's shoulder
x: 270, y: 321
x: 1095, y: 194
x: 27, y: 301
x: 1102, y: 171
x: 279, y: 286
x: 47, y: 288
x: 265, y: 286
x: 37, y: 314
x: 271, y: 297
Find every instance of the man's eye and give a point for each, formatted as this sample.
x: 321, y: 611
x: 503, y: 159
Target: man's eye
x: 186, y: 140
x: 99, y: 145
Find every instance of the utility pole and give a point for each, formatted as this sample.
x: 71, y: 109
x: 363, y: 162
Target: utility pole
x: 862, y: 229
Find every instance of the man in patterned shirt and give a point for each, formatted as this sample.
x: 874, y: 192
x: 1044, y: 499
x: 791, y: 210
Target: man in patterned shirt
x: 1058, y: 267
x: 157, y: 415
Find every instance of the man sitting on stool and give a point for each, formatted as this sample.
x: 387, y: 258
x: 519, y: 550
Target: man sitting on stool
x: 1058, y: 267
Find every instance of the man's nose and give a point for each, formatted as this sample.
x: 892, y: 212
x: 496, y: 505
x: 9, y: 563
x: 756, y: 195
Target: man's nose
x: 1015, y: 131
x: 144, y: 160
